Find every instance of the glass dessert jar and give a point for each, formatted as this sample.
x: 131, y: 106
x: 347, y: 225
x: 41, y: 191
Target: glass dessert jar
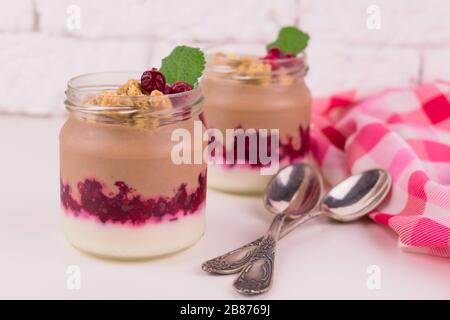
x: 122, y: 196
x: 247, y: 92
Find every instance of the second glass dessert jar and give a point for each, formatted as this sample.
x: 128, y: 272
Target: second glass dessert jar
x: 122, y: 195
x: 247, y: 92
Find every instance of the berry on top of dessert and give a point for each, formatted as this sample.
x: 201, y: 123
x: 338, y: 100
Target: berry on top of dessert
x: 153, y: 79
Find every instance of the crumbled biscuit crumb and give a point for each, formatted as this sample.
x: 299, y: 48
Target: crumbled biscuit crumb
x: 131, y: 94
x: 246, y: 67
x: 131, y: 88
x: 252, y: 69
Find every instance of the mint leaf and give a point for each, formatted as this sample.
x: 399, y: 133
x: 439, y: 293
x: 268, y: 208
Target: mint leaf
x: 183, y: 64
x: 290, y: 40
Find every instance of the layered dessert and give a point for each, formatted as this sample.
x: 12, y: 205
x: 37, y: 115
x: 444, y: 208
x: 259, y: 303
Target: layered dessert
x: 122, y: 195
x: 245, y: 91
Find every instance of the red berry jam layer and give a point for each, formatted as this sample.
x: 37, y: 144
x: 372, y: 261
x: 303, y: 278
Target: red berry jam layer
x: 287, y: 151
x: 127, y: 206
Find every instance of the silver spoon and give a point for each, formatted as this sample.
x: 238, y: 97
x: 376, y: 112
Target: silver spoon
x: 350, y: 200
x: 295, y: 190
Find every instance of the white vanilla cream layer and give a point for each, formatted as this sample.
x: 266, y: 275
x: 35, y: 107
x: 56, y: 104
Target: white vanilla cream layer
x: 237, y: 180
x: 133, y: 242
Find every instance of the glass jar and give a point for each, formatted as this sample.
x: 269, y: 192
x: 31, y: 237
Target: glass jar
x: 122, y: 195
x: 279, y: 100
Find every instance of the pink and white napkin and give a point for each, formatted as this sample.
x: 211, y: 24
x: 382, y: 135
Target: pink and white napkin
x: 405, y: 131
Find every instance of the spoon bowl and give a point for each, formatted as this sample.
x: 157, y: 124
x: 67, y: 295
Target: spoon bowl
x: 294, y: 190
x: 357, y: 195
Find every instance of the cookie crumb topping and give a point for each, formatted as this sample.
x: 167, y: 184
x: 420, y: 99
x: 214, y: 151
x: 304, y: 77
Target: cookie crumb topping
x: 131, y: 94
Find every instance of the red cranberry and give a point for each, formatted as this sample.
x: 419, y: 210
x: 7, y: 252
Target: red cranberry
x: 180, y: 86
x: 167, y: 89
x: 272, y: 60
x: 153, y: 80
x: 274, y: 53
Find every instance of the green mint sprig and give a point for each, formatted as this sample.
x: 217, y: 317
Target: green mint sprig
x: 183, y: 64
x: 290, y: 40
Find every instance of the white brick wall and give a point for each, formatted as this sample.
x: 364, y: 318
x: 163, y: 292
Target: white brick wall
x: 415, y: 23
x: 179, y: 20
x: 35, y: 67
x: 38, y: 53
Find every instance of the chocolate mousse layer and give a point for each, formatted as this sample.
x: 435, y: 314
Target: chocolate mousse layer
x: 231, y: 104
x: 104, y: 166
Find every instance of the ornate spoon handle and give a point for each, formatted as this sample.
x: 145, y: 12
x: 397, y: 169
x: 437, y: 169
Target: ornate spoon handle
x: 256, y: 277
x: 234, y: 261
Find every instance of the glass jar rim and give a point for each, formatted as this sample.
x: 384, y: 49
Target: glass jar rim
x: 292, y: 65
x: 73, y: 88
x: 241, y: 49
x: 83, y: 89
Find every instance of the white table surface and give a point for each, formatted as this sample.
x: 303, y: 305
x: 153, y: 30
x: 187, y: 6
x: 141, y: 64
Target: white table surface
x: 320, y: 260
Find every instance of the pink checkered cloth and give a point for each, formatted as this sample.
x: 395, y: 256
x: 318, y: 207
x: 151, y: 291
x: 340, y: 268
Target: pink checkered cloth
x: 405, y: 131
